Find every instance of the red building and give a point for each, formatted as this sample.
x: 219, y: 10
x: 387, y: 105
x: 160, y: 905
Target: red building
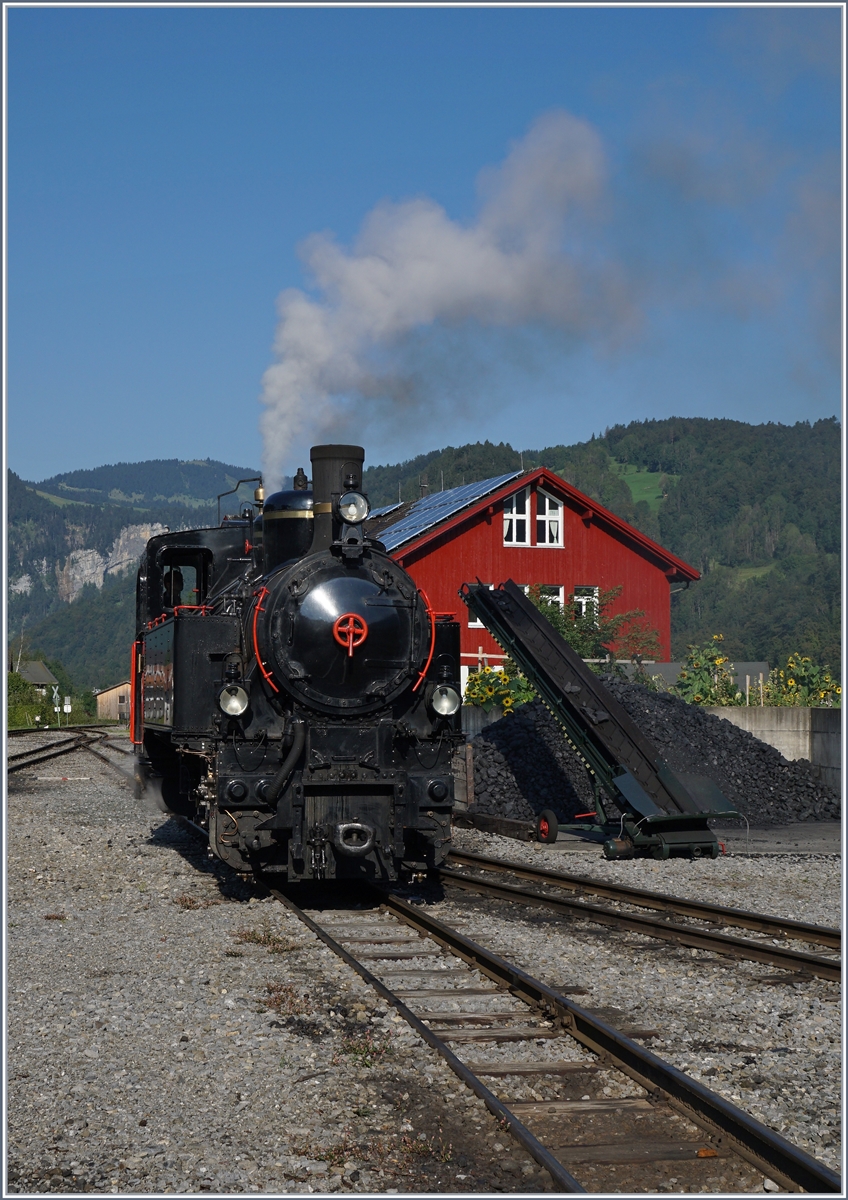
x: 534, y: 528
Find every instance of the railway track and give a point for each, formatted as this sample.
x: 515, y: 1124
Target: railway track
x: 558, y: 896
x: 603, y: 1108
x: 91, y: 740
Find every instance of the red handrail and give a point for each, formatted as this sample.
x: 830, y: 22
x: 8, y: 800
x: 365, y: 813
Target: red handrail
x: 266, y: 674
x: 136, y: 647
x: 432, y: 617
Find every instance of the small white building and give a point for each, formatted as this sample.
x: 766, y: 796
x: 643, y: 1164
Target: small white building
x: 113, y: 704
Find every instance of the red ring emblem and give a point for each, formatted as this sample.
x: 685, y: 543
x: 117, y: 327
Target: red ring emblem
x: 350, y: 630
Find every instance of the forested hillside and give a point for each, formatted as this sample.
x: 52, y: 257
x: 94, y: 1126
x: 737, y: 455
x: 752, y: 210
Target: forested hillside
x: 156, y: 482
x: 756, y: 508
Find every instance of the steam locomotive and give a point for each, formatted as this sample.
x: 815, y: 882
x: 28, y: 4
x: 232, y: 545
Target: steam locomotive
x: 293, y: 691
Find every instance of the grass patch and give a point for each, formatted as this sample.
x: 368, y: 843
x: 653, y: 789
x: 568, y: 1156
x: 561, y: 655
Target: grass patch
x: 187, y: 901
x: 743, y: 574
x: 366, y: 1048
x: 285, y: 999
x: 373, y: 1153
x: 274, y: 943
x: 645, y: 485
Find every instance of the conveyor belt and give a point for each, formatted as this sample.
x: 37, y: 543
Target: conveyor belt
x: 661, y: 810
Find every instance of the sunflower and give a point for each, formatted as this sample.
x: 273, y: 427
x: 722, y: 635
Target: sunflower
x: 790, y: 682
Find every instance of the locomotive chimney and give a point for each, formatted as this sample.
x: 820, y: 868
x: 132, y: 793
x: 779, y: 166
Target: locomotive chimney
x: 335, y: 470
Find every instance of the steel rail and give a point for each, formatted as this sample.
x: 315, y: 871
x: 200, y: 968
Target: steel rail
x: 821, y: 935
x: 32, y: 758
x: 731, y: 1127
x: 718, y: 943
x: 564, y: 1180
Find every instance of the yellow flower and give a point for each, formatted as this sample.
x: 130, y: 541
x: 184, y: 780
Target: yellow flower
x: 490, y: 691
x: 791, y: 682
x: 487, y: 670
x: 718, y: 637
x: 507, y: 702
x: 839, y: 691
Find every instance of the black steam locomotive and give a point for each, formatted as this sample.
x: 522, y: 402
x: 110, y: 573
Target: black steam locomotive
x: 292, y: 690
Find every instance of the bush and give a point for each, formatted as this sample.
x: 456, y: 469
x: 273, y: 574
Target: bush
x: 593, y: 632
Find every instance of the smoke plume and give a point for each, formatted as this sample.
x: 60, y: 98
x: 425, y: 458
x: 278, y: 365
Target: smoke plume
x: 417, y: 289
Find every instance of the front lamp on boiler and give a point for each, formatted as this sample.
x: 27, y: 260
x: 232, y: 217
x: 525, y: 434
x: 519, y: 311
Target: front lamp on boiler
x: 233, y: 700
x: 445, y: 700
x: 353, y: 508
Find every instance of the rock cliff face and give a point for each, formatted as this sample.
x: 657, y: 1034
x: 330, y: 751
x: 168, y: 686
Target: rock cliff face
x: 89, y: 566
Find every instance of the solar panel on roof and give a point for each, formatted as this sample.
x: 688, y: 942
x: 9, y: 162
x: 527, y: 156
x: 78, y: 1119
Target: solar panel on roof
x: 386, y: 509
x: 433, y: 509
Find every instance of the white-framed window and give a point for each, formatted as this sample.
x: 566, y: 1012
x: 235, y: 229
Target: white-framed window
x: 473, y: 623
x: 517, y: 519
x: 552, y: 593
x: 586, y: 601
x: 548, y: 520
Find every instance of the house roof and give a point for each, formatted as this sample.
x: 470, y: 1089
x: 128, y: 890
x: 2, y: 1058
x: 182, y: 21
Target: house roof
x: 409, y: 521
x: 402, y: 533
x: 36, y: 673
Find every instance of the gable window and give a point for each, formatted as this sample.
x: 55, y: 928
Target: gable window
x: 548, y: 520
x: 586, y: 602
x: 516, y: 519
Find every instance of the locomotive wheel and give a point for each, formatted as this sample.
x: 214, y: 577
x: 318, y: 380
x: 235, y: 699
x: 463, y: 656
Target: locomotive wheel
x: 173, y: 800
x: 547, y: 826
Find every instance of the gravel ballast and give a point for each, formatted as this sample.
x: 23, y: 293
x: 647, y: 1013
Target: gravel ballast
x: 523, y: 764
x: 171, y: 1031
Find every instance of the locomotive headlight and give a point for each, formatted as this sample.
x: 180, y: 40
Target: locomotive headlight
x: 233, y: 700
x: 353, y: 508
x: 445, y: 700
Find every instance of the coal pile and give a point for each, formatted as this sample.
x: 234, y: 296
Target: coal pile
x: 523, y: 764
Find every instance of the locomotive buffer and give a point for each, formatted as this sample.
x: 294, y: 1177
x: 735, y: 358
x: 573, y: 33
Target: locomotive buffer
x: 641, y: 805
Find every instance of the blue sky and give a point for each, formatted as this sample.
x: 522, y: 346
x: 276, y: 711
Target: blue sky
x: 516, y: 224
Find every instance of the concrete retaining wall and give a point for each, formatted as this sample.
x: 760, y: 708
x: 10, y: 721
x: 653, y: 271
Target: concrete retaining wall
x: 811, y: 733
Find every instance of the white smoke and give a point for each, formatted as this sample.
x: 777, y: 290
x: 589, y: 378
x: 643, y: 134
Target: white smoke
x: 414, y: 278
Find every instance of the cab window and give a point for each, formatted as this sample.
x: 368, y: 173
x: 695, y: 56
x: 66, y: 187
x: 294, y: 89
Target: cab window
x: 185, y: 578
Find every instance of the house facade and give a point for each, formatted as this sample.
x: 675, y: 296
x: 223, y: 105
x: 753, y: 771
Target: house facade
x: 113, y: 704
x: 536, y: 529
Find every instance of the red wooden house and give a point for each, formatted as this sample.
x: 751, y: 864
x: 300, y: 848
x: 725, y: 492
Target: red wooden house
x: 534, y: 528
